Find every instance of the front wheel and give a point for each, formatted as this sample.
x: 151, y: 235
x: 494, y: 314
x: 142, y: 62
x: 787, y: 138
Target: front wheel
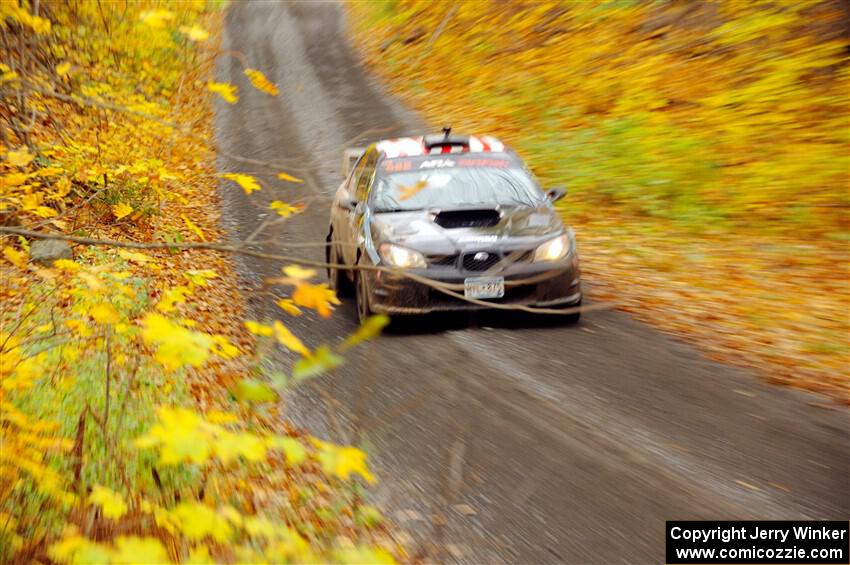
x: 337, y: 278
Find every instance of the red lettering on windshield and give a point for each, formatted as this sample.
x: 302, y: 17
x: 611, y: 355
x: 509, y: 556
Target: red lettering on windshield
x: 499, y: 163
x: 396, y: 166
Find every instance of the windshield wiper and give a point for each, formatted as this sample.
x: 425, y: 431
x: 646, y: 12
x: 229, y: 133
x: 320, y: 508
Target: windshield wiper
x: 394, y: 210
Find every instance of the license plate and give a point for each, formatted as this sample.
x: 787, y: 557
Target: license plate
x: 484, y: 287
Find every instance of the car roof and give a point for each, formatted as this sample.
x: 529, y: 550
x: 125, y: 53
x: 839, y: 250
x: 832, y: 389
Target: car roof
x: 438, y: 144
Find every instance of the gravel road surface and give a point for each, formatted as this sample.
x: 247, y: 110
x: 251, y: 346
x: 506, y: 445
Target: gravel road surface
x: 504, y: 439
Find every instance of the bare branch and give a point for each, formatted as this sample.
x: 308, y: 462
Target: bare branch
x: 445, y: 288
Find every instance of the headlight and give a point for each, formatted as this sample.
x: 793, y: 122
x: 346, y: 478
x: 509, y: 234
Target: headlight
x: 554, y: 249
x: 400, y: 256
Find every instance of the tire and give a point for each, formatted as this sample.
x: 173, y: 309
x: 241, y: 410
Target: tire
x: 363, y: 309
x: 337, y: 278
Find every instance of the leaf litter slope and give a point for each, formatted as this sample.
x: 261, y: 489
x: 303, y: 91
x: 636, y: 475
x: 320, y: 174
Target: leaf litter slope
x: 704, y: 145
x: 137, y: 422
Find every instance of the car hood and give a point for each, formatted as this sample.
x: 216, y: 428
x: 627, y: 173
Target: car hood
x: 515, y: 227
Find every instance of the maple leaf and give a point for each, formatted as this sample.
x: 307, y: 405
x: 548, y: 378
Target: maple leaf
x: 342, y: 461
x: 15, y: 257
x: 121, y: 210
x: 226, y: 90
x: 292, y: 448
x: 297, y: 272
x: 257, y: 328
x: 369, y: 329
x: 288, y: 306
x: 195, y: 33
x: 283, y: 209
x: 260, y: 82
x: 156, y: 18
x: 111, y: 503
x: 181, y: 435
x: 176, y: 346
x: 20, y: 157
x: 172, y: 296
x: 134, y: 549
x: 287, y: 339
x: 322, y: 361
x: 105, y: 313
x: 133, y: 256
x: 198, y: 521
x: 288, y: 178
x: 62, y: 69
x: 248, y: 183
x: 200, y: 276
x: 407, y: 192
x: 318, y: 297
x: 67, y: 265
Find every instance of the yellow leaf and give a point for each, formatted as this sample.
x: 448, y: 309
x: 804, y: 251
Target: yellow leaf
x: 121, y: 210
x: 283, y: 209
x: 197, y: 521
x: 260, y: 82
x: 195, y: 33
x: 247, y: 182
x: 105, y: 313
x: 43, y: 211
x: 259, y: 329
x: 287, y: 339
x: 288, y: 306
x: 67, y: 265
x: 172, y: 296
x: 176, y: 345
x: 111, y: 503
x: 15, y: 257
x: 20, y: 157
x: 406, y: 192
x: 62, y: 69
x: 139, y: 258
x: 318, y: 297
x: 134, y: 549
x: 189, y: 224
x: 181, y: 436
x: 156, y: 18
x: 367, y: 330
x: 289, y: 178
x: 219, y: 417
x: 200, y: 276
x: 226, y: 90
x: 224, y: 348
x: 76, y: 549
x: 342, y: 461
x: 296, y: 272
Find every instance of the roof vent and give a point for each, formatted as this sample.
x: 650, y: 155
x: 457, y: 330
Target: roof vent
x: 446, y: 139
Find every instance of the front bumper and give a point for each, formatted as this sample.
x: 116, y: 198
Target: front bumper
x: 543, y: 285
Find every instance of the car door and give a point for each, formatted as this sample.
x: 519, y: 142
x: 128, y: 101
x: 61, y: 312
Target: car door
x: 349, y: 217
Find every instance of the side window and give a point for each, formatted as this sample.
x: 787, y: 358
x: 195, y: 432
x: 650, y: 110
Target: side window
x: 366, y: 177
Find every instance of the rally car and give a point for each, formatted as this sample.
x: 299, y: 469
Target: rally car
x: 454, y: 209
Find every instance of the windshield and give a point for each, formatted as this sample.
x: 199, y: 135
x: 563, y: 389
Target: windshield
x: 425, y: 182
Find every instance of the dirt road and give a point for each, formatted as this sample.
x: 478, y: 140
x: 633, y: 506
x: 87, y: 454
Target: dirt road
x: 534, y: 443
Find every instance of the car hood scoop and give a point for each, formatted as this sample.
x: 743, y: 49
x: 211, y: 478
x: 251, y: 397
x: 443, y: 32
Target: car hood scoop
x: 473, y: 218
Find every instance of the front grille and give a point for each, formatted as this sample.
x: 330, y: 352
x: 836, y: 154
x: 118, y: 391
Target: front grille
x: 485, y: 260
x: 442, y: 260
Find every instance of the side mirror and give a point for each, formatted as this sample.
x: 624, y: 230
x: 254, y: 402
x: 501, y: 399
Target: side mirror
x: 348, y: 204
x: 556, y: 193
